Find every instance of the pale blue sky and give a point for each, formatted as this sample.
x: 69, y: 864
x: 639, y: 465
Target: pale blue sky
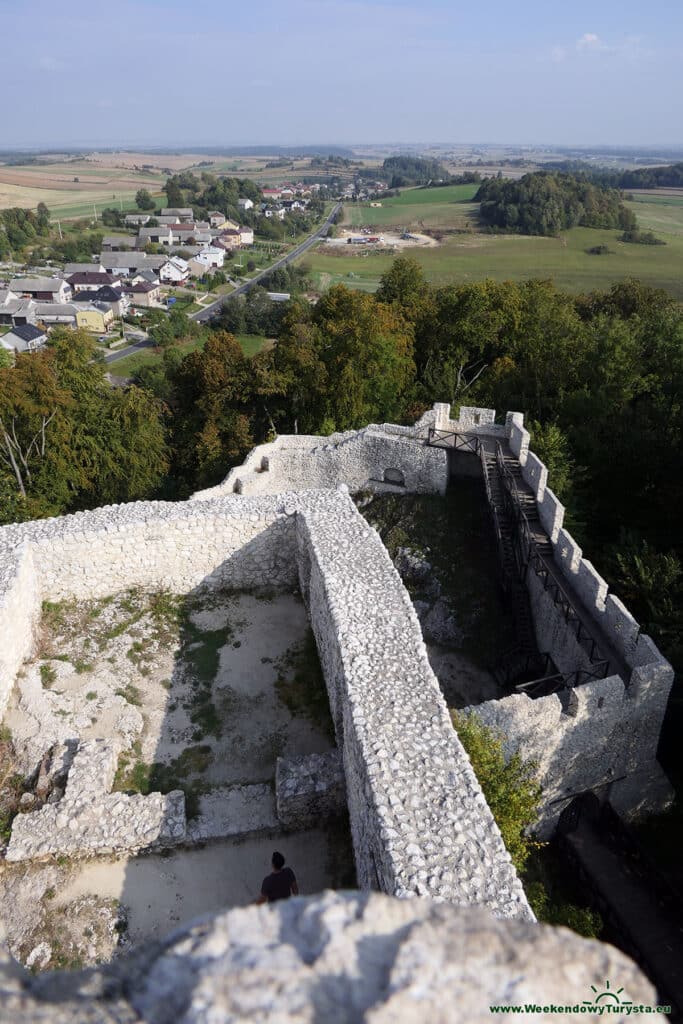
x: 233, y: 72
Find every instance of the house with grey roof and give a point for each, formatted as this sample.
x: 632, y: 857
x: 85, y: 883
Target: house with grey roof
x: 42, y: 289
x: 143, y: 294
x: 137, y: 220
x: 82, y: 268
x: 23, y: 338
x: 181, y: 213
x: 15, y: 309
x: 127, y: 263
x: 160, y: 235
x: 112, y: 298
x: 53, y: 313
x: 113, y: 243
x: 174, y: 271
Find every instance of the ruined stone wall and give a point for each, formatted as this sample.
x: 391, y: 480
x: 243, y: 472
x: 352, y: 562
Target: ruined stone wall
x: 419, y: 820
x: 153, y: 545
x: 602, y: 735
x: 19, y: 613
x: 358, y: 458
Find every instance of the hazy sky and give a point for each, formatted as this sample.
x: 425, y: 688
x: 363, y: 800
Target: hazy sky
x: 232, y: 72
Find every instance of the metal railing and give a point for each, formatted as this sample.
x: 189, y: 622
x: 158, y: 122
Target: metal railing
x: 530, y: 555
x: 452, y: 439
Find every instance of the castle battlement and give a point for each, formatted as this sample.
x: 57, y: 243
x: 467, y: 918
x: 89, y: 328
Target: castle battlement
x: 284, y: 519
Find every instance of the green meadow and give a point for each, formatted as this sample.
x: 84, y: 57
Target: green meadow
x: 126, y: 367
x: 450, y: 206
x: 471, y: 256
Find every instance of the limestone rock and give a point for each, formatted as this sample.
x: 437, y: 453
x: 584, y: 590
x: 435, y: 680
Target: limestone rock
x: 338, y: 957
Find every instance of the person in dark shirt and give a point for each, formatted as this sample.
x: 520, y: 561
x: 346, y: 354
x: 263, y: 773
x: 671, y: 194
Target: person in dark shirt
x: 280, y: 884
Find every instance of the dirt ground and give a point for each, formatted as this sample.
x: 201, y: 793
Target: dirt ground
x: 202, y: 692
x: 387, y: 239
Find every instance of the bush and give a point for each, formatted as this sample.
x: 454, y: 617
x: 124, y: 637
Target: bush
x: 641, y: 238
x: 510, y: 787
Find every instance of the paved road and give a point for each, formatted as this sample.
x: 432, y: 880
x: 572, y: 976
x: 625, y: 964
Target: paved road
x: 128, y: 350
x: 210, y: 311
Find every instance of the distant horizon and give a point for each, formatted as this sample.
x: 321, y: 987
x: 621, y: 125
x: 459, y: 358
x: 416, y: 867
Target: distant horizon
x: 188, y: 147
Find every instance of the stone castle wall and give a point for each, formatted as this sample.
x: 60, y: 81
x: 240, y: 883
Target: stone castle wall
x: 420, y: 823
x: 369, y: 459
x: 602, y: 735
x: 419, y: 819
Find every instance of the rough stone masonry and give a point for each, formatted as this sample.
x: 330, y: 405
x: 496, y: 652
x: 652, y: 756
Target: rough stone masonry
x: 419, y: 820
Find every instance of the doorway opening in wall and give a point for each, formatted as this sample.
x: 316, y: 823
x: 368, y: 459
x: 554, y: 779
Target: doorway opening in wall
x: 200, y: 693
x: 444, y: 550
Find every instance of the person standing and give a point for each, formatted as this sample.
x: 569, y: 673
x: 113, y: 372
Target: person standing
x: 280, y: 884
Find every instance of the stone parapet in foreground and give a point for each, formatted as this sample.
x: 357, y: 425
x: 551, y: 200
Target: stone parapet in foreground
x: 342, y: 958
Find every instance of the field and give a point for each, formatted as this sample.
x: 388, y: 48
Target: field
x: 126, y: 367
x: 54, y: 184
x: 448, y: 207
x: 473, y: 257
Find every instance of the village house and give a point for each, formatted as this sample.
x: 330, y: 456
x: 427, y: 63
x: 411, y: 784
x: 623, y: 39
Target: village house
x: 278, y: 212
x: 206, y: 260
x: 216, y: 219
x: 137, y: 220
x: 245, y: 204
x: 246, y: 236
x: 125, y: 264
x: 42, y: 289
x: 114, y: 298
x: 95, y: 317
x: 271, y: 193
x: 161, y: 235
x: 146, y: 277
x: 23, y: 338
x: 91, y: 280
x: 230, y: 239
x: 14, y: 309
x: 82, y: 268
x: 113, y: 243
x: 55, y: 313
x: 181, y: 214
x: 143, y: 294
x: 174, y: 271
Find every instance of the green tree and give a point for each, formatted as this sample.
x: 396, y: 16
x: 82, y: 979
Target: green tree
x: 551, y: 445
x: 367, y: 350
x: 509, y: 784
x: 404, y: 285
x: 143, y: 200
x: 213, y: 400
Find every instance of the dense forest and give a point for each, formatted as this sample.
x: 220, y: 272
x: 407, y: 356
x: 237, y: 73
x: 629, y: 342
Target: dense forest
x: 546, y: 203
x: 670, y: 176
x: 19, y: 228
x: 599, y: 377
x: 400, y: 171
